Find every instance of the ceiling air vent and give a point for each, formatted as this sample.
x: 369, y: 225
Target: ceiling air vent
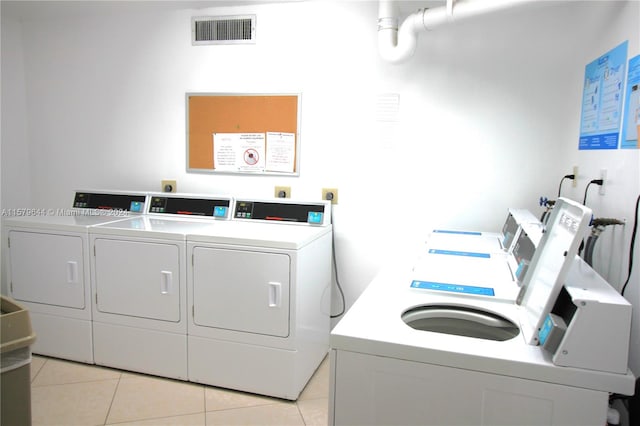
x: 223, y: 30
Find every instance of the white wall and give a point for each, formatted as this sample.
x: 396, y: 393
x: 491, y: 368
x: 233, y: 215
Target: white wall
x: 14, y: 150
x: 16, y: 189
x: 489, y: 114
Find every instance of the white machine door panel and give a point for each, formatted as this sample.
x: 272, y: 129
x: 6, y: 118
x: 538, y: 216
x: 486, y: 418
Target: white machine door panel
x: 47, y: 268
x: 138, y: 279
x: 241, y: 290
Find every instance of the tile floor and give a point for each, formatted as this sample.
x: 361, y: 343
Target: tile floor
x: 68, y: 393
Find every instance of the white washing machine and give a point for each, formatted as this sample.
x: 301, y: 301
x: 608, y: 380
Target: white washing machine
x: 48, y: 268
x: 259, y: 298
x: 139, y: 270
x: 401, y: 357
x: 486, y: 242
x: 496, y: 274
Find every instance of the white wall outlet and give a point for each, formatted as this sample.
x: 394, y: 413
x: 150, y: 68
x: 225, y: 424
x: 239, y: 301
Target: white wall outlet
x: 575, y: 177
x: 603, y: 176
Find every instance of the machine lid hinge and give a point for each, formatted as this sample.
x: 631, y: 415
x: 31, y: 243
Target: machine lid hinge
x: 94, y: 251
x: 9, y: 242
x: 193, y: 311
x: 96, y: 298
x: 11, y: 286
x: 193, y: 259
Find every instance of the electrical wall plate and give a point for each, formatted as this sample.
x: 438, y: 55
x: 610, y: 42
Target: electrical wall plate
x: 279, y: 190
x: 168, y: 185
x: 330, y: 192
x: 603, y: 176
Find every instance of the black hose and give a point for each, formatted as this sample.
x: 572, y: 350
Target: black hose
x: 632, y: 245
x: 597, y: 182
x: 588, y: 249
x: 562, y: 180
x: 337, y: 276
x: 544, y: 214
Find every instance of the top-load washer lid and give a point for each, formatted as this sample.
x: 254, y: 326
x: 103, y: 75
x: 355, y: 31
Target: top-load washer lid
x: 524, y: 217
x: 476, y: 242
x: 489, y: 242
x: 568, y: 224
x: 465, y: 274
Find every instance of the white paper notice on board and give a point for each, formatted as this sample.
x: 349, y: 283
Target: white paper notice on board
x: 235, y: 152
x: 224, y: 151
x: 281, y: 152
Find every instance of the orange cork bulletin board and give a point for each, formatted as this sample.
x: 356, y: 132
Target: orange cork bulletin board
x: 210, y: 114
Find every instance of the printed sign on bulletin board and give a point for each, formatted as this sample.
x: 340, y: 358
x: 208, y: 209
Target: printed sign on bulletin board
x: 240, y: 133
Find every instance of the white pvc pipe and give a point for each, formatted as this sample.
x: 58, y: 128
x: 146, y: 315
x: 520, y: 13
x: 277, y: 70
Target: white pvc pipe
x: 463, y: 9
x: 396, y: 45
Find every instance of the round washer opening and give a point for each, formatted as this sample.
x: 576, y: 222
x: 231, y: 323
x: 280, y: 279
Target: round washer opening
x: 460, y: 321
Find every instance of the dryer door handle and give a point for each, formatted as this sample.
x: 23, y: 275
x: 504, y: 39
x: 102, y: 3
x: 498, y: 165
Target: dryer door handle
x: 166, y: 278
x: 72, y: 272
x: 275, y: 294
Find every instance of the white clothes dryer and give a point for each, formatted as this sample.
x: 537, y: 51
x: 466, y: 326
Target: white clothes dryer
x: 48, y: 268
x: 139, y: 270
x: 259, y: 297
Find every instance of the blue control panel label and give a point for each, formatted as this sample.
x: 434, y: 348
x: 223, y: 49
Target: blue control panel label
x: 220, y: 211
x: 446, y: 231
x: 454, y: 288
x: 521, y: 267
x: 314, y: 218
x: 136, y: 206
x: 460, y: 253
x: 543, y: 334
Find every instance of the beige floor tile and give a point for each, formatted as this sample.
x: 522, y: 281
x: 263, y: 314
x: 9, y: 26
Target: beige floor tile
x: 188, y: 420
x: 318, y: 386
x: 72, y: 404
x: 224, y: 399
x: 146, y: 397
x: 58, y: 372
x: 315, y: 412
x: 70, y: 393
x: 36, y: 364
x: 281, y: 414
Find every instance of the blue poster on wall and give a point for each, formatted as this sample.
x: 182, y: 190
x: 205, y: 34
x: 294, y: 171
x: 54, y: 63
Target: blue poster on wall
x: 631, y: 123
x: 602, y: 100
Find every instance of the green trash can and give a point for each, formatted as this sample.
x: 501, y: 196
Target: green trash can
x: 15, y: 367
